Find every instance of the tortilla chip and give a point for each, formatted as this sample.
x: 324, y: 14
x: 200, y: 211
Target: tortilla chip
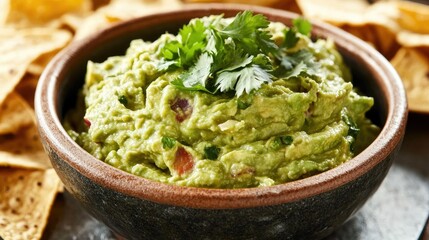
x: 23, y: 150
x: 413, y: 67
x: 61, y: 187
x: 69, y: 21
x: 26, y: 198
x: 127, y: 9
x: 378, y: 36
x: 39, y: 64
x: 91, y: 25
x: 252, y: 2
x: 411, y: 39
x: 413, y: 16
x: 18, y: 48
x: 337, y: 12
x: 120, y: 10
x: 15, y: 113
x: 373, y: 23
x: 30, y: 13
x: 27, y: 88
x: 4, y: 10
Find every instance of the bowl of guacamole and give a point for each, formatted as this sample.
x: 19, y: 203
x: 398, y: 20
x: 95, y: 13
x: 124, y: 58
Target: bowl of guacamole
x: 224, y: 103
x: 232, y: 121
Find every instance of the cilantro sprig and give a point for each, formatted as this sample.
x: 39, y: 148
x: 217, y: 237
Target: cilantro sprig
x: 182, y: 53
x: 239, y: 57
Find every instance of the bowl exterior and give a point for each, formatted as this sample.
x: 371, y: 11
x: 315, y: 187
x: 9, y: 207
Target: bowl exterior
x: 135, y: 218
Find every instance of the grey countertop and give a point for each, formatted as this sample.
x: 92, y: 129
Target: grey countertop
x: 398, y: 210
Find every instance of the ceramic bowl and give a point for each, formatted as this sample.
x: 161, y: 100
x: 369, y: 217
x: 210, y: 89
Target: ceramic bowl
x: 137, y: 208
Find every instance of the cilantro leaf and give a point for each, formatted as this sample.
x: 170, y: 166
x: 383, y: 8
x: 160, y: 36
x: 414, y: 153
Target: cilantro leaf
x: 291, y: 39
x: 244, y: 80
x: 170, y: 50
x: 168, y: 142
x: 123, y: 99
x: 198, y: 74
x: 211, y: 152
x: 281, y: 141
x: 242, y: 104
x: 193, y: 33
x: 179, y: 84
x: 302, y: 25
x: 247, y: 30
x: 183, y: 53
x: 266, y: 44
x: 165, y: 65
x: 245, y: 24
x: 286, y: 140
x: 263, y: 61
x: 238, y: 63
x: 297, y: 64
x: 251, y: 78
x: 353, y: 127
x: 226, y: 81
x: 213, y: 39
x: 353, y: 131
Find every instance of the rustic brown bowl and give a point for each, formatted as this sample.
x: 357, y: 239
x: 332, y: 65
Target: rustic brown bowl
x: 137, y: 208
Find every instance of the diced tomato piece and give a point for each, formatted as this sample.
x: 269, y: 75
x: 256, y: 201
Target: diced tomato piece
x: 183, y: 161
x: 182, y: 108
x: 87, y: 122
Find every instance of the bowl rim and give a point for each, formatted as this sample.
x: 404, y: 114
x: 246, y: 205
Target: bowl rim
x: 54, y: 135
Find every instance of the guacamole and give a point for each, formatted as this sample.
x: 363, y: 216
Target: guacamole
x: 226, y: 103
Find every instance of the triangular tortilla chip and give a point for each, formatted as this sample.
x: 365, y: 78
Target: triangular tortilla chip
x: 251, y: 2
x: 15, y: 113
x: 30, y: 13
x: 69, y: 21
x: 18, y: 48
x: 38, y: 65
x: 27, y: 87
x: 92, y: 24
x: 4, y: 10
x: 23, y: 150
x: 373, y: 23
x: 26, y: 198
x: 413, y: 16
x: 120, y: 10
x: 127, y: 9
x: 411, y: 39
x: 413, y: 67
x: 337, y: 12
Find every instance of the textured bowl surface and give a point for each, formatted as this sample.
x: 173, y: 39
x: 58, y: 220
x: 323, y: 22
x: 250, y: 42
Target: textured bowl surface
x: 137, y: 208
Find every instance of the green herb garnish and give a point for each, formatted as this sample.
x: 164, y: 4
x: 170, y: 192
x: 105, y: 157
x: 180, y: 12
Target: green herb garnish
x: 286, y: 140
x: 242, y: 104
x: 183, y: 53
x: 167, y: 142
x: 122, y: 99
x: 211, y: 152
x: 281, y: 141
x: 353, y: 128
x: 302, y: 25
x: 239, y: 57
x: 301, y: 63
